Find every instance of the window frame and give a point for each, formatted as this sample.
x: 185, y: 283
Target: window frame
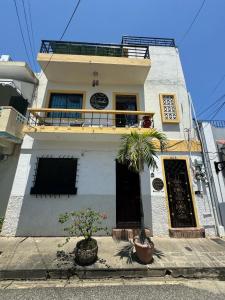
x: 48, y: 98
x: 34, y: 187
x: 164, y: 120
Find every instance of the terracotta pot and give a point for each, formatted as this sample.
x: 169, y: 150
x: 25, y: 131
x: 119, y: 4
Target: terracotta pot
x: 145, y: 251
x: 147, y: 122
x: 86, y: 257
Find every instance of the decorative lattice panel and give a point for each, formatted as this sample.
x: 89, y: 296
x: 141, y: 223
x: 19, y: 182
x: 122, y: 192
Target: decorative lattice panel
x: 169, y: 108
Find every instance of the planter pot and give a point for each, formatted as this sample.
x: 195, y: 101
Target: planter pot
x: 145, y: 251
x: 86, y: 252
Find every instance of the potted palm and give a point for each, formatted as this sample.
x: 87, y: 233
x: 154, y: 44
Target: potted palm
x: 84, y: 223
x: 136, y: 150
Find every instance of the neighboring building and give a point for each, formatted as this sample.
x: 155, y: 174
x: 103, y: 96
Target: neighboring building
x: 88, y: 96
x: 17, y: 84
x: 213, y: 138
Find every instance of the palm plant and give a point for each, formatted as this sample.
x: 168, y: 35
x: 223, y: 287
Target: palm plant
x: 136, y: 150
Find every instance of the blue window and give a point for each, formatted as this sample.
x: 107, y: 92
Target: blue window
x: 69, y: 101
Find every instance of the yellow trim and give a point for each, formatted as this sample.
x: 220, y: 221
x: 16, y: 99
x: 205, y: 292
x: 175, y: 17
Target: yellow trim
x: 95, y: 111
x: 49, y: 92
x: 45, y: 57
x: 181, y: 146
x: 186, y: 159
x: 94, y: 129
x: 173, y: 145
x: 166, y: 121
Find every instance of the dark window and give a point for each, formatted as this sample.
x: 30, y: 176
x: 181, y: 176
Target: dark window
x: 69, y: 101
x: 126, y: 102
x: 56, y: 176
x: 19, y: 103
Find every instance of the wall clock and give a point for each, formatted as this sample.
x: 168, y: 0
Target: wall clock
x: 99, y: 101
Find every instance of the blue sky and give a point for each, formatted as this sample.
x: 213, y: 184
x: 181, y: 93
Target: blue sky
x: 202, y: 52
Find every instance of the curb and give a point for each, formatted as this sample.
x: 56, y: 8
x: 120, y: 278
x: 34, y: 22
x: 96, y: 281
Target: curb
x: 90, y: 273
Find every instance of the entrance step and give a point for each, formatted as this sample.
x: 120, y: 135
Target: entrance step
x: 127, y: 234
x: 190, y: 232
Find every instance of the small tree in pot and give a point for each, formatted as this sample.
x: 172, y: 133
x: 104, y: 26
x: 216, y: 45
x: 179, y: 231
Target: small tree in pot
x: 84, y: 223
x: 136, y: 150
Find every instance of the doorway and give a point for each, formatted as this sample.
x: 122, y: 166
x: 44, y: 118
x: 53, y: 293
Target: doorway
x: 127, y: 197
x: 179, y: 194
x: 126, y: 102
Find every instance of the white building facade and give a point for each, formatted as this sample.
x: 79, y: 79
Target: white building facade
x: 213, y: 139
x: 85, y: 101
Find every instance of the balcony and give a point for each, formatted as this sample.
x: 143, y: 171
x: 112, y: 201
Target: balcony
x: 66, y: 124
x: 115, y: 64
x: 11, y: 125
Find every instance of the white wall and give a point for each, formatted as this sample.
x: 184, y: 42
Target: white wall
x: 96, y: 184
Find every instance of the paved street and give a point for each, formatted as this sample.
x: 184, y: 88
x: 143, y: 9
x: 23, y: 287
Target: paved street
x: 113, y: 289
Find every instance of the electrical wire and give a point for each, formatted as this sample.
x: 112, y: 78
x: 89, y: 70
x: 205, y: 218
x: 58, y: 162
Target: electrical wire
x: 28, y: 33
x: 21, y: 32
x: 70, y: 20
x: 192, y: 23
x: 31, y: 23
x: 218, y: 84
x: 217, y: 111
x: 211, y: 105
x: 64, y: 32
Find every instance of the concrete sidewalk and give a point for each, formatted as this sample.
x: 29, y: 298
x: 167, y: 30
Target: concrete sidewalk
x: 37, y: 258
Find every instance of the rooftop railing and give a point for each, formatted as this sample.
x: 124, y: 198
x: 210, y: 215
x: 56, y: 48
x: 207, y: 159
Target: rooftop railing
x: 148, y: 41
x: 89, y: 118
x: 76, y: 48
x: 215, y: 123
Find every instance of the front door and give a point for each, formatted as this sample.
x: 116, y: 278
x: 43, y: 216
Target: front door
x: 179, y: 194
x: 126, y: 102
x: 127, y: 197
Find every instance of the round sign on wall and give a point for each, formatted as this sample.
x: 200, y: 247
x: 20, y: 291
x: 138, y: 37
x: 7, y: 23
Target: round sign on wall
x: 99, y: 101
x: 157, y: 184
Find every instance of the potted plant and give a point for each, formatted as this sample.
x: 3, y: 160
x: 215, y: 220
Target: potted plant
x: 136, y: 150
x: 84, y: 223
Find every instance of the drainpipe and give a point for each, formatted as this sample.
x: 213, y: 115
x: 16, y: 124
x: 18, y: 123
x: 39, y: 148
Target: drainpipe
x: 212, y: 189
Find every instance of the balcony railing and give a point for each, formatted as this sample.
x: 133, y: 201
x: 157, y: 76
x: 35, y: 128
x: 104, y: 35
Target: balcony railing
x: 76, y: 48
x: 11, y: 123
x: 89, y: 118
x: 148, y: 41
x: 215, y: 123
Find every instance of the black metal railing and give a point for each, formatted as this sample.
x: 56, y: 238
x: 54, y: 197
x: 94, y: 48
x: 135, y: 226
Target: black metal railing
x: 89, y: 118
x: 77, y: 48
x: 215, y: 123
x: 148, y: 41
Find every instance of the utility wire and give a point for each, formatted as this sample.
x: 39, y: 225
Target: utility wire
x: 21, y: 31
x: 28, y: 34
x: 31, y: 23
x: 211, y: 105
x: 215, y: 112
x: 64, y: 32
x: 218, y: 84
x: 71, y: 18
x: 193, y: 22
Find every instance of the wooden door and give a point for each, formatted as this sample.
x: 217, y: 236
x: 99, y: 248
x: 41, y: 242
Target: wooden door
x: 127, y: 197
